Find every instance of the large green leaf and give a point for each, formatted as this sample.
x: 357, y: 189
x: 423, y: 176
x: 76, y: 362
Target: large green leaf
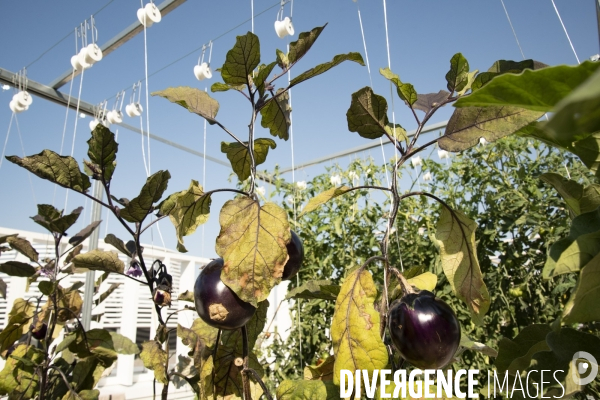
x: 516, y: 354
x: 588, y: 150
x: 24, y: 247
x: 86, y: 374
x: 139, y: 208
x: 102, y: 151
x: 455, y: 237
x: 17, y: 268
x: 573, y: 252
x: 241, y: 60
x: 367, y: 114
x: 324, y: 197
x: 468, y: 125
x: 301, y: 46
x: 239, y: 155
x: 54, y: 220
x: 19, y: 378
x: 503, y: 67
x: 117, y: 244
x: 190, y: 209
x: 322, y: 68
x: 580, y: 199
x: 155, y: 358
x: 405, y: 91
x: 538, y: 90
x: 583, y: 304
x: 323, y: 290
x: 123, y: 345
x: 223, y: 87
x: 458, y: 76
x: 99, y: 260
x: 194, y: 100
x: 307, y: 390
x: 48, y: 165
x: 355, y: 327
x: 252, y: 242
x: 276, y: 115
x: 578, y: 114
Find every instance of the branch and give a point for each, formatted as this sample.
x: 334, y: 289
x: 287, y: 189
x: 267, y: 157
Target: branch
x: 259, y: 381
x: 153, y: 222
x: 229, y: 132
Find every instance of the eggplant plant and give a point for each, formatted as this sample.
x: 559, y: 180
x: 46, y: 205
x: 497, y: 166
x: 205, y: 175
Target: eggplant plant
x: 256, y: 243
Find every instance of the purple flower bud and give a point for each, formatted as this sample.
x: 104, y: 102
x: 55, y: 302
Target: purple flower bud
x: 134, y: 269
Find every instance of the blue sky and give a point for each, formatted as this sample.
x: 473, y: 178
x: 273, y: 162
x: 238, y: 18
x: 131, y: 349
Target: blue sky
x: 423, y: 36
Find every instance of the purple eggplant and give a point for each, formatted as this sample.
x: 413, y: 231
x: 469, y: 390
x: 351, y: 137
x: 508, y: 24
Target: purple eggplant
x: 296, y: 252
x: 424, y: 329
x: 216, y: 303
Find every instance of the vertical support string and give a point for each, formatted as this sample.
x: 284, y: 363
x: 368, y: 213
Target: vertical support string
x: 513, y: 29
x: 6, y: 140
x: 566, y: 33
x: 75, y: 128
x: 23, y: 151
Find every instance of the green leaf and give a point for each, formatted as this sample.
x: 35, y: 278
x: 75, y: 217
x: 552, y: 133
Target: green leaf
x: 580, y: 199
x: 252, y: 242
x: 469, y: 84
x: 397, y: 132
x: 4, y: 238
x: 239, y: 155
x: 282, y: 59
x: 301, y: 46
x: 123, y: 345
x: 323, y: 371
x: 263, y: 73
x: 17, y: 268
x: 93, y: 394
x: 405, y: 91
x: 573, y: 252
x: 322, y: 68
x: 155, y: 358
x: 470, y: 344
x: 276, y: 115
x: 99, y: 260
x: 583, y: 307
x: 455, y: 237
x: 424, y: 281
x: 307, y: 390
x: 194, y: 100
x: 458, y: 76
x: 515, y: 355
x: 323, y: 198
x: 18, y: 323
x: 468, y: 125
x: 324, y: 290
x: 355, y: 327
x: 223, y: 87
x: 502, y: 67
x: 426, y: 102
x: 190, y: 209
x: 48, y: 165
x: 86, y: 374
x: 538, y: 90
x: 578, y: 115
x: 24, y: 247
x: 588, y: 150
x: 102, y: 150
x: 241, y: 60
x: 139, y: 208
x: 84, y: 233
x: 46, y: 287
x: 69, y: 338
x: 76, y: 250
x: 53, y: 220
x: 117, y: 244
x: 186, y: 296
x: 367, y: 114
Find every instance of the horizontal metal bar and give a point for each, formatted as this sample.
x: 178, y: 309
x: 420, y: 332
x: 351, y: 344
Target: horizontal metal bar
x: 368, y: 146
x: 114, y: 43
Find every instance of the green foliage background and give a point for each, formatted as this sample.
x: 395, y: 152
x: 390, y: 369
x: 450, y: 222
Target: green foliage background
x: 498, y: 185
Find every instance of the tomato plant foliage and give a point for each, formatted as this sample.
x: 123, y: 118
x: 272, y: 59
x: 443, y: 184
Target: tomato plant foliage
x: 476, y: 232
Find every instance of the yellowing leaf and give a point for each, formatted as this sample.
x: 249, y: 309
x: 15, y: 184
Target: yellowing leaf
x: 252, y: 242
x: 323, y: 198
x: 583, y: 307
x: 455, y: 237
x: 155, y: 358
x: 580, y: 199
x: 425, y: 281
x: 355, y: 327
x: 239, y: 155
x: 98, y: 260
x: 307, y: 390
x: 195, y: 100
x: 19, y: 379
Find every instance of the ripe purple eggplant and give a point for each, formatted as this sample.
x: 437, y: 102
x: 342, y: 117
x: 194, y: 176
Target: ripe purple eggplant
x: 39, y: 333
x: 424, y: 329
x: 296, y: 252
x: 216, y: 303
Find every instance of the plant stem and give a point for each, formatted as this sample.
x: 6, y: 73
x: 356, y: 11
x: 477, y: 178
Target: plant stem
x: 245, y: 352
